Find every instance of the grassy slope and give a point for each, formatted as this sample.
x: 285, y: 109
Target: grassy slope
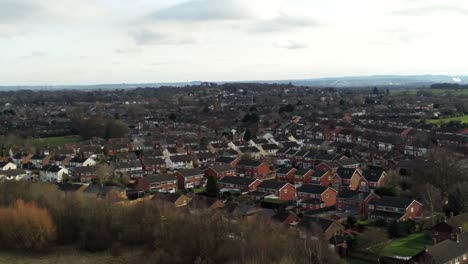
x: 55, y: 141
x: 407, y: 246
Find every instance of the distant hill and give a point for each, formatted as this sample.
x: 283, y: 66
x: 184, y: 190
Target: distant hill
x: 338, y: 82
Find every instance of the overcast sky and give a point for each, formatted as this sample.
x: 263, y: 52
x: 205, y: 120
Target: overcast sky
x: 47, y: 42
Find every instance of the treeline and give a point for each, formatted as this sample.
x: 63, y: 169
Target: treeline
x: 48, y: 217
x: 100, y: 127
x: 449, y: 86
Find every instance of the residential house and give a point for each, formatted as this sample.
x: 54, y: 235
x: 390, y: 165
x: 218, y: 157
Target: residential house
x: 285, y: 218
x: 376, y: 178
x: 190, y: 178
x: 86, y: 173
x: 52, y: 173
x: 313, y: 196
x: 308, y: 227
x: 81, y: 161
x: 15, y: 174
x: 171, y: 200
x: 301, y: 176
x: 5, y: 165
x: 454, y: 250
x: 285, y: 174
x: 157, y: 183
x: 349, y: 179
x: 227, y: 160
x: 39, y: 160
x: 154, y: 164
x: 252, y: 168
x: 179, y: 162
x: 278, y: 190
x: 394, y: 208
x: 323, y: 178
x: 112, y: 193
x: 130, y: 166
x: 240, y: 184
x: 220, y: 171
x: 447, y: 229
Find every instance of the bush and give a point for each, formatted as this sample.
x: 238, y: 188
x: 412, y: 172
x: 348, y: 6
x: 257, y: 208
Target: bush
x: 26, y: 226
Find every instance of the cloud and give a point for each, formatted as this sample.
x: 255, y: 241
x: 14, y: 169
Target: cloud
x: 431, y: 9
x: 291, y: 45
x: 33, y: 55
x: 127, y: 51
x: 205, y: 10
x: 283, y: 23
x: 149, y: 37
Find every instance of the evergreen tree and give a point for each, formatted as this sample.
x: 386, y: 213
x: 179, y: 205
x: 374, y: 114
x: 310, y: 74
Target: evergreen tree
x: 212, y: 187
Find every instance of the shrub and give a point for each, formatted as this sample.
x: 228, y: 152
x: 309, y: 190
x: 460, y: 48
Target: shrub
x: 26, y: 226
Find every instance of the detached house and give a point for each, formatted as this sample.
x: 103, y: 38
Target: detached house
x: 313, y: 196
x: 394, y: 208
x: 252, y: 168
x: 190, y: 178
x: 81, y: 162
x: 279, y: 190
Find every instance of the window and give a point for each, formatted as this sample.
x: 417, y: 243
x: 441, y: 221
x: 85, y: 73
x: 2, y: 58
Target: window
x: 285, y: 190
x: 327, y: 196
x: 465, y: 256
x: 412, y: 209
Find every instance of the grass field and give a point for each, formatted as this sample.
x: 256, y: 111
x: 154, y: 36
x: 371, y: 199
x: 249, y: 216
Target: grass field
x: 68, y: 256
x: 407, y: 246
x: 463, y: 119
x: 438, y: 92
x: 55, y: 141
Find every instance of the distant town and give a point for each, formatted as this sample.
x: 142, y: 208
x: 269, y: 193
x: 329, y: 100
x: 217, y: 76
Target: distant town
x: 373, y: 174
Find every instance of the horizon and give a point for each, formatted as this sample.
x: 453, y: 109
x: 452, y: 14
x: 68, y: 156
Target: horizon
x: 118, y: 41
x: 235, y: 81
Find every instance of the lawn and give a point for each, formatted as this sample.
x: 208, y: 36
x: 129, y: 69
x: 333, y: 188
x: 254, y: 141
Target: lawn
x: 355, y: 261
x: 55, y: 141
x: 463, y: 119
x: 407, y: 246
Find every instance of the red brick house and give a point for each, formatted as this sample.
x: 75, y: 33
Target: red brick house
x: 314, y: 196
x: 324, y: 178
x: 220, y: 171
x: 239, y: 183
x: 157, y: 183
x: 394, y: 208
x: 308, y: 227
x: 301, y: 176
x: 285, y: 218
x: 350, y: 179
x: 252, y: 168
x: 375, y: 178
x: 283, y: 190
x: 285, y: 174
x: 154, y: 164
x: 85, y: 173
x: 227, y: 160
x: 190, y: 178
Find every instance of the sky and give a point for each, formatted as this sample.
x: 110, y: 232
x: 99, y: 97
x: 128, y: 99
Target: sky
x: 58, y: 42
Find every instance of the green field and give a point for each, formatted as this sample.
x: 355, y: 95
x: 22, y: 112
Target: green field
x: 437, y: 92
x: 439, y: 121
x: 407, y: 246
x: 54, y: 141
